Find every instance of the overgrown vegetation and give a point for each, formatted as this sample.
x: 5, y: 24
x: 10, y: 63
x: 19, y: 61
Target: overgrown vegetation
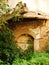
x: 7, y: 46
x: 35, y: 59
x: 6, y: 13
x: 9, y: 53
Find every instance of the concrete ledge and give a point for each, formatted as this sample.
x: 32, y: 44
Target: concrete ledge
x: 32, y: 14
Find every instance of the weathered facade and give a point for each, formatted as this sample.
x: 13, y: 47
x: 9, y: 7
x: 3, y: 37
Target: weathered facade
x: 34, y: 24
x: 37, y: 28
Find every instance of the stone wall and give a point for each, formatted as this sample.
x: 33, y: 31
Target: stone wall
x: 38, y: 29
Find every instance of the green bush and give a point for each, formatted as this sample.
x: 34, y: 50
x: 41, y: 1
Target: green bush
x: 35, y: 59
x: 7, y: 46
x: 47, y: 50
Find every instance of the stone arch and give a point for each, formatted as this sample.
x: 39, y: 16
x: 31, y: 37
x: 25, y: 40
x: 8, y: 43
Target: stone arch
x: 25, y: 37
x: 23, y: 30
x: 25, y: 41
x: 18, y: 31
x: 34, y: 29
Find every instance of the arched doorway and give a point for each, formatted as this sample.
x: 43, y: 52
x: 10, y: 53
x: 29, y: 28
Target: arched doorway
x: 25, y: 41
